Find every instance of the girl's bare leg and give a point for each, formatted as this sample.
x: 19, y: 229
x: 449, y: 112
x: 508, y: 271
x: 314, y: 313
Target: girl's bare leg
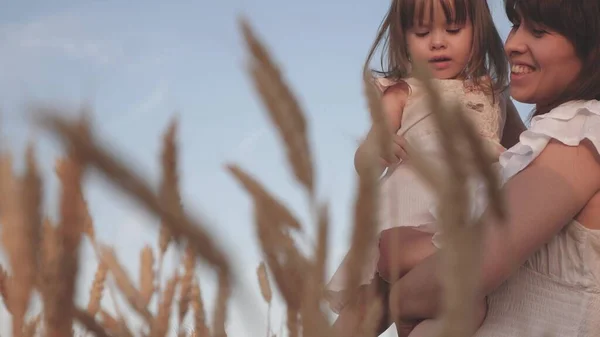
x: 401, y: 249
x: 353, y: 314
x: 432, y: 327
x: 410, y: 247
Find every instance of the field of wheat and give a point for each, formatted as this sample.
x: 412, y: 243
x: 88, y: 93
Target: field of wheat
x: 44, y: 253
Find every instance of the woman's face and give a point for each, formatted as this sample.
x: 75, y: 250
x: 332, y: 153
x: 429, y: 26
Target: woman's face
x: 543, y: 63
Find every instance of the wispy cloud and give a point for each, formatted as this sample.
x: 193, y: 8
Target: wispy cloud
x: 146, y: 106
x: 63, y: 34
x: 248, y: 143
x: 157, y: 97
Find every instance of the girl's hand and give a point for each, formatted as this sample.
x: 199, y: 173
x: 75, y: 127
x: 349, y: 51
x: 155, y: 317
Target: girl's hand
x: 398, y: 149
x: 493, y: 151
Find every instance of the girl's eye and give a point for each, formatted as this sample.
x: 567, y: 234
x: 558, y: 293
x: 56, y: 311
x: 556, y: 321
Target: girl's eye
x: 453, y: 31
x: 421, y: 34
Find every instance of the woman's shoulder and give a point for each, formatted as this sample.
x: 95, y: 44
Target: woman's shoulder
x: 568, y: 127
x: 570, y: 123
x: 571, y: 110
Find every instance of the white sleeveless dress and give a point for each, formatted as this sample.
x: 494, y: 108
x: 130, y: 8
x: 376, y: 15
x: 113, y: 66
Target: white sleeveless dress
x: 557, y: 291
x: 405, y: 199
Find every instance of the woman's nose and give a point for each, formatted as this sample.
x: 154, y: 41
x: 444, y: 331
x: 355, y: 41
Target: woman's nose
x: 516, y: 42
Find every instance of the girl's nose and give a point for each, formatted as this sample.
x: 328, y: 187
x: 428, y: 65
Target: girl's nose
x: 437, y: 41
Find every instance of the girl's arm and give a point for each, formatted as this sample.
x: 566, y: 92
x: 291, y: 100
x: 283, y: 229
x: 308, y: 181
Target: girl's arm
x: 541, y: 200
x: 393, y: 101
x: 513, y: 126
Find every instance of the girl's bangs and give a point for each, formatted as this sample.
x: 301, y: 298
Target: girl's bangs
x: 455, y: 11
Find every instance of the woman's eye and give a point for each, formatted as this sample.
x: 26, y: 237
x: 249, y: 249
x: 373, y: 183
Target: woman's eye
x: 538, y: 32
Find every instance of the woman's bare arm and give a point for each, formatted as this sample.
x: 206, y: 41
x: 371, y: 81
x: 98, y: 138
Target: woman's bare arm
x: 541, y: 199
x: 513, y: 126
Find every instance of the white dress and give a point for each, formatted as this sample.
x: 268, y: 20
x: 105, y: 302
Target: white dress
x: 405, y: 199
x: 557, y: 291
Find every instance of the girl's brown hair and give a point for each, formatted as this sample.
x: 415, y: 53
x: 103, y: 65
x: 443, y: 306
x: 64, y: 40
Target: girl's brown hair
x: 579, y: 22
x: 487, y: 52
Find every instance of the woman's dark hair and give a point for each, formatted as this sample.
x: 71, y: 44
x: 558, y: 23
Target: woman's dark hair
x: 579, y: 22
x: 487, y: 52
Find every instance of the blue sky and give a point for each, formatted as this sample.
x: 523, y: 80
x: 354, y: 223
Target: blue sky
x: 140, y: 63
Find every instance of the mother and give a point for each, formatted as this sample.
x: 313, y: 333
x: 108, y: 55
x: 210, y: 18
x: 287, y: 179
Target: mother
x: 541, y: 269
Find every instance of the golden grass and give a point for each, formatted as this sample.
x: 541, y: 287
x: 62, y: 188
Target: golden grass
x: 44, y: 256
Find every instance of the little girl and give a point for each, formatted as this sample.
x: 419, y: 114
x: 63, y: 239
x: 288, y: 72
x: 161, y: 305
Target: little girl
x: 459, y: 42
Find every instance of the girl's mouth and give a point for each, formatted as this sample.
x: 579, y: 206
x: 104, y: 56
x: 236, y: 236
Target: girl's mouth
x: 440, y: 62
x: 438, y: 59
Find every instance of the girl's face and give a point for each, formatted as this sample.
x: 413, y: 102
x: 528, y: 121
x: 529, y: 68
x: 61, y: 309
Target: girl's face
x: 445, y: 47
x: 543, y: 63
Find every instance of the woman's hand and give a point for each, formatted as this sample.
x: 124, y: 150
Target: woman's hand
x: 416, y: 296
x: 403, y: 329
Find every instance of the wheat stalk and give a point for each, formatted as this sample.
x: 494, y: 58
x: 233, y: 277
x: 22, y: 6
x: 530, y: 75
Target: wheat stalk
x: 200, y: 327
x: 263, y: 281
x: 32, y: 206
x: 265, y: 291
x: 382, y: 133
x: 16, y: 238
x: 169, y: 194
x: 4, y: 285
x: 282, y: 106
x: 146, y: 275
x: 260, y: 194
x: 131, y: 183
x: 124, y: 283
x: 160, y: 325
x: 314, y: 321
x: 70, y: 231
x: 90, y: 323
x: 220, y: 311
x: 462, y: 236
x: 97, y: 289
x: 365, y: 221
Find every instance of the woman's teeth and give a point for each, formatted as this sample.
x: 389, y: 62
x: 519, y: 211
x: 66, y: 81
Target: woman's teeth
x: 521, y: 69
